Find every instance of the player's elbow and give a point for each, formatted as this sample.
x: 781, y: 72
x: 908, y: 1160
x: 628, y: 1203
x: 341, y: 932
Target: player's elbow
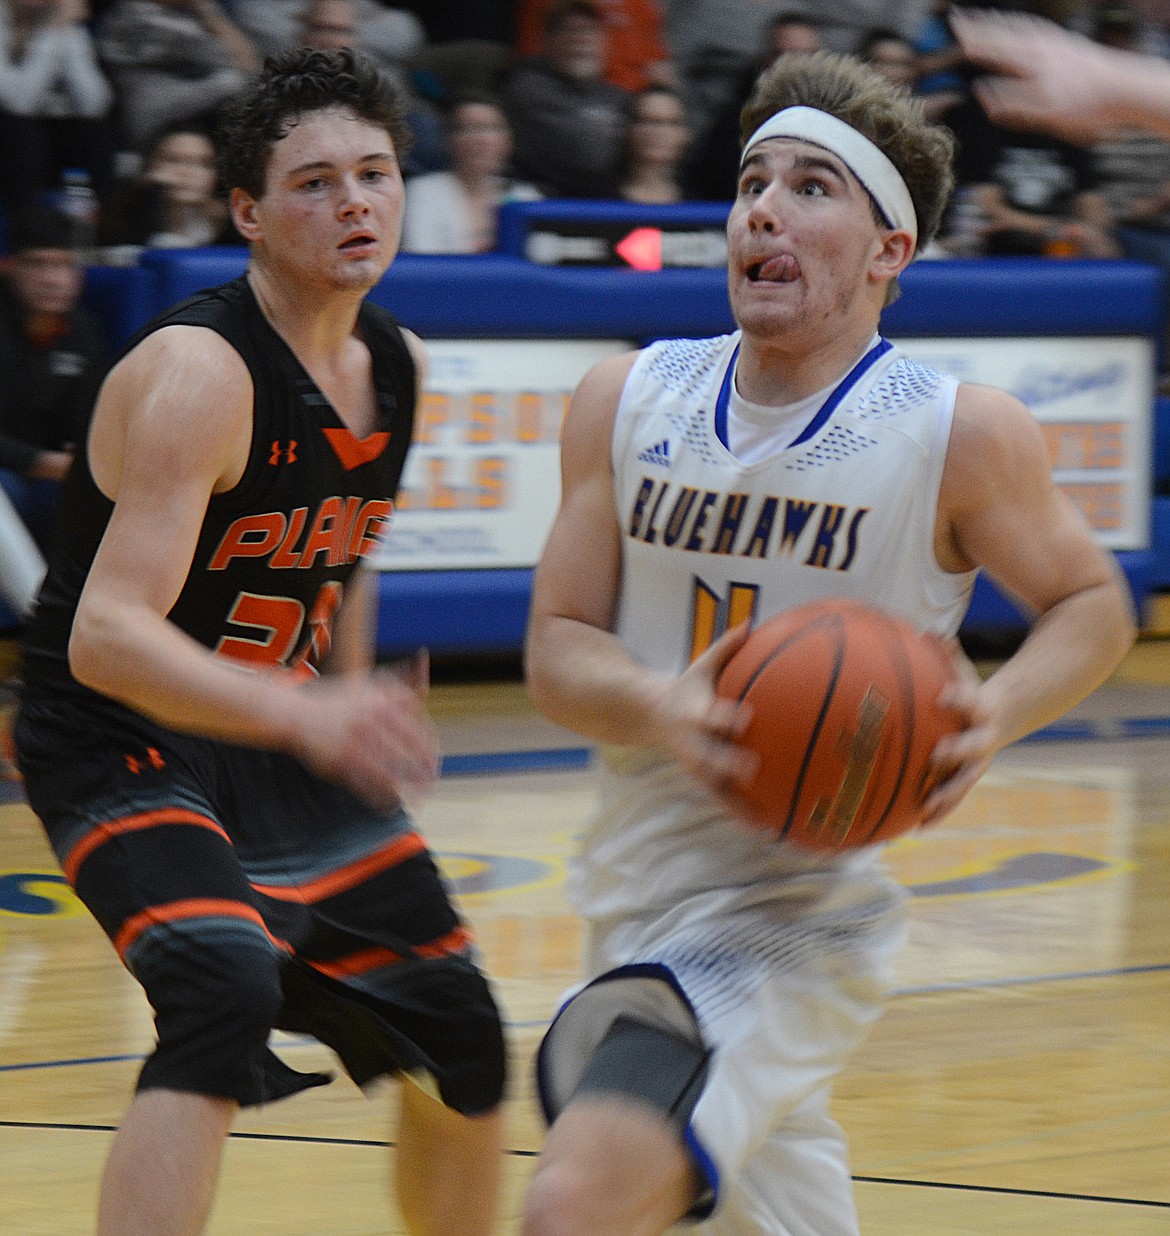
x: 1115, y: 621
x: 94, y: 654
x: 536, y: 677
x: 1125, y: 618
x: 544, y: 662
x: 1126, y: 626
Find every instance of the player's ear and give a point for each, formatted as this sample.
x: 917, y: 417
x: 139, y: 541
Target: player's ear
x: 243, y: 207
x: 895, y: 254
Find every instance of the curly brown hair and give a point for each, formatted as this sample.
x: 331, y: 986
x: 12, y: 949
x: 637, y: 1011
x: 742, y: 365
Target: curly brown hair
x: 886, y: 114
x: 291, y: 85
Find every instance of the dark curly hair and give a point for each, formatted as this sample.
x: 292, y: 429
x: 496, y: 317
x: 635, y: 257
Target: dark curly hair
x: 291, y: 85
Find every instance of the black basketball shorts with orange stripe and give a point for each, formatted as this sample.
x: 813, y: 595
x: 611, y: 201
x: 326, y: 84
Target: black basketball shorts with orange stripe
x: 245, y: 895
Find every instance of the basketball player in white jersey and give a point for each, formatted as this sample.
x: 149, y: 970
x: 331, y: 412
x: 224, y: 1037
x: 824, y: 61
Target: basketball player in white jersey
x: 709, y: 482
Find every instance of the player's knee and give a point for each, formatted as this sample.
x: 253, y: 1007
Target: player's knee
x: 214, y: 1009
x: 578, y: 1198
x: 470, y: 1058
x: 561, y: 1201
x: 249, y: 992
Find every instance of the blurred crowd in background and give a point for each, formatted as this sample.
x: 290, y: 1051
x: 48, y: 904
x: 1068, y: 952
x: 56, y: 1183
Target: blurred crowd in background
x: 107, y: 109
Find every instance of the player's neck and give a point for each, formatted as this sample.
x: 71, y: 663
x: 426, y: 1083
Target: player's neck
x: 775, y: 373
x: 313, y: 325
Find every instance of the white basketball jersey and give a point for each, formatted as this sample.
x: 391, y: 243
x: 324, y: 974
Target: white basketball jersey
x: 847, y: 510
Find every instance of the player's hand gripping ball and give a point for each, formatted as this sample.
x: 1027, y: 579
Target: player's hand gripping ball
x: 844, y: 717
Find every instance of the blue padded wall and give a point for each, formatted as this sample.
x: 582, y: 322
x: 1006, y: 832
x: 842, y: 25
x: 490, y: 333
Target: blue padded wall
x: 505, y: 296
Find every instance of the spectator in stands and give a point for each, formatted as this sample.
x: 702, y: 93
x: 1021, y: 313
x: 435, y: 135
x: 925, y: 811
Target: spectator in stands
x: 941, y: 66
x: 1134, y: 166
x: 635, y: 50
x: 726, y: 29
x: 715, y: 160
x: 456, y: 21
x: 457, y: 211
x: 569, y: 122
x: 388, y: 34
x: 1037, y: 194
x: 172, y: 60
x: 891, y: 55
x: 54, y: 100
x: 894, y: 57
x: 735, y: 27
x: 173, y: 203
x: 53, y: 358
x: 656, y: 142
x: 392, y: 37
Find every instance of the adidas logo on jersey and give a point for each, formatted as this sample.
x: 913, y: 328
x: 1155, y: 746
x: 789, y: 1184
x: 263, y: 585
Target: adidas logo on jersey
x: 658, y: 454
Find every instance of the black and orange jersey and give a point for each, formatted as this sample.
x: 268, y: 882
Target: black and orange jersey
x: 274, y: 551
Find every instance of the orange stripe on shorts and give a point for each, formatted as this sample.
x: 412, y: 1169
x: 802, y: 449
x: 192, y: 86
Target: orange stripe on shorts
x: 368, y: 959
x: 109, y: 829
x: 398, y: 851
x: 194, y: 907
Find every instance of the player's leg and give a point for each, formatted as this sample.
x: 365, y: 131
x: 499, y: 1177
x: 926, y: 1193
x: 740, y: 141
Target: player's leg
x: 385, y: 974
x: 148, y: 857
x: 798, y: 1181
x: 211, y: 974
x: 162, y: 1170
x: 447, y: 1170
x: 619, y: 1071
x: 609, y: 1165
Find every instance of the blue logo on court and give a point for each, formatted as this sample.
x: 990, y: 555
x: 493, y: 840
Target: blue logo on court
x: 19, y: 894
x: 44, y: 894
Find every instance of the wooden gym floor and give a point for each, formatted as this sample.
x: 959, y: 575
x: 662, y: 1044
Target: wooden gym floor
x: 1018, y: 1085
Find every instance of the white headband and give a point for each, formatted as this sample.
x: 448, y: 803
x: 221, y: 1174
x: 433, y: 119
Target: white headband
x: 878, y: 176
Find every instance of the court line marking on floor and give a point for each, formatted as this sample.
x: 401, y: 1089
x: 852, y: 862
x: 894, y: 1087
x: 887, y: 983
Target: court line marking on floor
x: 566, y: 759
x: 542, y: 1023
x: 517, y: 1152
x: 549, y: 759
x: 1004, y: 1190
x: 1072, y: 976
x: 560, y: 759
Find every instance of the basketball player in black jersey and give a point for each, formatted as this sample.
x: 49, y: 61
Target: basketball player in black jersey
x: 217, y: 763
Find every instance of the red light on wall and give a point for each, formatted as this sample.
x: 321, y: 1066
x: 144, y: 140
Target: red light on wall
x: 642, y: 248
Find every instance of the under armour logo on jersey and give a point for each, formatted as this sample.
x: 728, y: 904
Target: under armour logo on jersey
x: 283, y: 454
x: 658, y: 454
x: 152, y: 758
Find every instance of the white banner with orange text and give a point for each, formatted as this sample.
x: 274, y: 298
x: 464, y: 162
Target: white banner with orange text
x: 482, y: 482
x: 1094, y: 400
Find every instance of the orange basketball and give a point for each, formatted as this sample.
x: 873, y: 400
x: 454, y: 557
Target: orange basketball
x: 845, y: 714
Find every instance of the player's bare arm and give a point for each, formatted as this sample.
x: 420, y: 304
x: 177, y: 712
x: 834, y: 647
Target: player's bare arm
x: 381, y: 710
x: 1000, y: 511
x: 353, y: 646
x: 353, y: 637
x: 578, y: 672
x: 172, y: 427
x: 1040, y: 76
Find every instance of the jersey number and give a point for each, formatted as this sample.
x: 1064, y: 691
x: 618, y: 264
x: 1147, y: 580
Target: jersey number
x: 279, y: 622
x: 713, y: 615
